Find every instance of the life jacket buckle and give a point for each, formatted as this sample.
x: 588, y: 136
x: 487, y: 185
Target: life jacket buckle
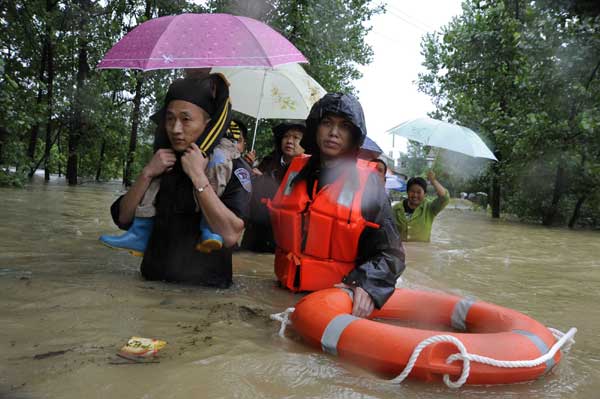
x: 372, y: 225
x: 294, y: 258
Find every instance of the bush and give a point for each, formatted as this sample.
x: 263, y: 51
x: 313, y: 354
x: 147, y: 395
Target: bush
x: 12, y: 179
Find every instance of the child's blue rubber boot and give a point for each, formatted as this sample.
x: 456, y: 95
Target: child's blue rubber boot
x: 135, y: 239
x: 209, y: 241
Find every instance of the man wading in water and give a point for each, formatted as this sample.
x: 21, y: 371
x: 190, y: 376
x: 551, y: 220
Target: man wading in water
x: 195, y: 114
x: 332, y: 221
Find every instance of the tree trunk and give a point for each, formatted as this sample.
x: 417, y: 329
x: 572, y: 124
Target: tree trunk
x: 549, y: 215
x: 576, y: 211
x: 50, y: 5
x: 135, y: 118
x: 76, y: 130
x: 59, y: 151
x: 101, y: 160
x: 582, y: 198
x: 35, y: 129
x: 42, y: 159
x: 295, y: 20
x: 559, y: 182
x: 495, y: 189
x: 33, y: 137
x: 495, y: 199
x: 50, y: 83
x: 3, y: 136
x: 148, y: 10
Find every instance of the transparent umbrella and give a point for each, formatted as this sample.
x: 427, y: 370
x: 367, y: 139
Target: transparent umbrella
x: 449, y: 136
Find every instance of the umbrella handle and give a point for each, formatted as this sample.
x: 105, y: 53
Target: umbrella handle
x: 260, y: 99
x: 254, y: 137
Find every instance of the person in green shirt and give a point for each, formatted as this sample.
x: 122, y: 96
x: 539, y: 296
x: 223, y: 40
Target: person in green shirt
x: 414, y: 216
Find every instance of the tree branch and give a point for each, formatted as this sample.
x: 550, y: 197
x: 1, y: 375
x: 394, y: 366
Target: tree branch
x: 587, y: 86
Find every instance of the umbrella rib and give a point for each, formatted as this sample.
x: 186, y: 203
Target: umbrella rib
x: 258, y: 42
x: 158, y: 41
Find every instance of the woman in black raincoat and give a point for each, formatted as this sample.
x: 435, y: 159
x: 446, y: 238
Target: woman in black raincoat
x: 335, y: 130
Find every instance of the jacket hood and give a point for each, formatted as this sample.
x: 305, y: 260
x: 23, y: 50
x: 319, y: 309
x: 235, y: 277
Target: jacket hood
x: 341, y: 104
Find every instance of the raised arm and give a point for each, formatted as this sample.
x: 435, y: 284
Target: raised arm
x: 220, y: 218
x: 443, y: 197
x: 439, y: 189
x: 163, y: 160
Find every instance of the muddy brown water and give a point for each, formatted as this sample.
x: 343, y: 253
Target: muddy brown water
x: 67, y: 304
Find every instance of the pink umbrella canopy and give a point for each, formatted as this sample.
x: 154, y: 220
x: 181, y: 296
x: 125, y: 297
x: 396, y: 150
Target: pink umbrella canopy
x: 201, y: 41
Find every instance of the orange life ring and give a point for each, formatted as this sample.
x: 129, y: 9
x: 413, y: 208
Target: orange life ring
x: 323, y: 319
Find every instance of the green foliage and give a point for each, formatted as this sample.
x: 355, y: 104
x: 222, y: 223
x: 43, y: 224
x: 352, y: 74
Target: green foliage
x: 331, y: 34
x: 12, y: 179
x: 525, y: 76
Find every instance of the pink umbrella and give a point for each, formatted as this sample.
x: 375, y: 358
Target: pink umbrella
x: 201, y: 41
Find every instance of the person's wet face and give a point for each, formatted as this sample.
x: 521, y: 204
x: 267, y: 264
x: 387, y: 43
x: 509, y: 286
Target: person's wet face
x: 381, y: 170
x: 184, y: 122
x: 334, y: 136
x: 241, y: 144
x: 290, y: 143
x: 416, y: 194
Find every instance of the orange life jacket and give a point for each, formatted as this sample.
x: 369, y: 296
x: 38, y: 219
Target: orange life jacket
x: 317, y: 240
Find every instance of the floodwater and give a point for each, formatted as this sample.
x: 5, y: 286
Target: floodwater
x: 67, y: 304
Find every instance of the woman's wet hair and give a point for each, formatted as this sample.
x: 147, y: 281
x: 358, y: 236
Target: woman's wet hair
x: 417, y: 180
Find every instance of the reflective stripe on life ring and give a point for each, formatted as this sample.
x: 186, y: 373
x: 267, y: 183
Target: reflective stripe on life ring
x: 333, y: 331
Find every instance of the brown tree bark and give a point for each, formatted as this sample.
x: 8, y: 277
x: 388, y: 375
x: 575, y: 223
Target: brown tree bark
x: 35, y: 129
x: 495, y: 191
x: 135, y: 116
x: 576, y: 211
x: 549, y: 215
x: 49, y: 109
x: 76, y: 130
x: 50, y: 5
x: 3, y: 136
x: 58, y: 147
x: 101, y: 160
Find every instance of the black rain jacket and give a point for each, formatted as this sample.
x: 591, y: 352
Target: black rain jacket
x: 381, y: 258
